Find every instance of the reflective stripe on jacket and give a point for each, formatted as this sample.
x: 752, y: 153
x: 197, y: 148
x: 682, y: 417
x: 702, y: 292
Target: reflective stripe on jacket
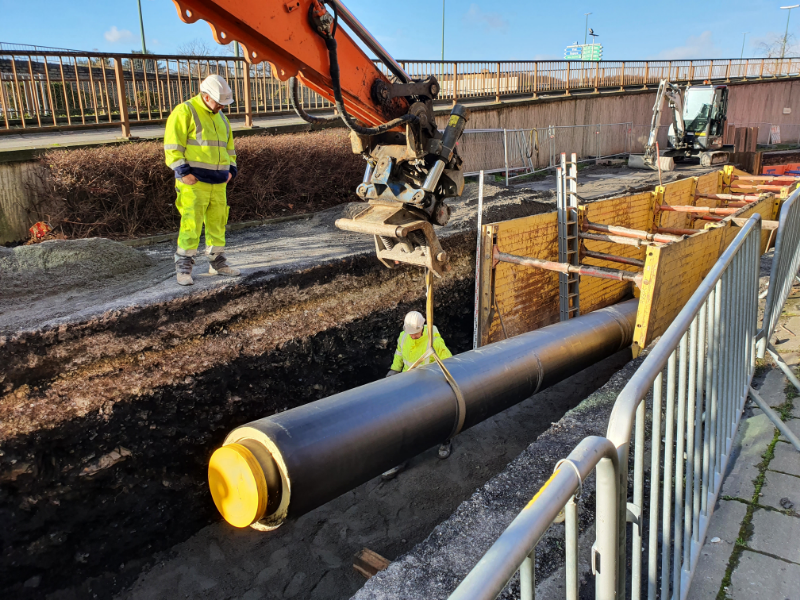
x: 409, y: 350
x: 199, y: 142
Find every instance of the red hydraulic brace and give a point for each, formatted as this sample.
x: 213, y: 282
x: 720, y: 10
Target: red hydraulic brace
x: 617, y: 239
x: 635, y: 262
x: 630, y: 233
x: 766, y: 188
x: 790, y: 178
x: 549, y: 265
x: 729, y: 197
x: 701, y: 210
x: 678, y: 231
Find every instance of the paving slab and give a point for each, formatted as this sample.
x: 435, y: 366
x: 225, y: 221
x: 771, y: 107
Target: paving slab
x: 787, y: 460
x: 776, y: 534
x: 725, y: 524
x: 754, y: 435
x: 794, y: 426
x: 759, y: 576
x: 778, y: 486
x: 772, y: 388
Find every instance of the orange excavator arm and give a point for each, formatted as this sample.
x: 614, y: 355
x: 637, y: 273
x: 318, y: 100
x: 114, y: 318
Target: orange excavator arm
x: 411, y: 165
x: 281, y: 32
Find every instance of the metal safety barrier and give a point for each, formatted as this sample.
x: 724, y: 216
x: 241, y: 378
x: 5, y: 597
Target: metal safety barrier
x: 521, y: 152
x: 709, y: 354
x: 45, y: 89
x: 515, y: 548
x: 682, y: 409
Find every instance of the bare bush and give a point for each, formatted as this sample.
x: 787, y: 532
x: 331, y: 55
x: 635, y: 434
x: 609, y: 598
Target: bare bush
x: 127, y: 191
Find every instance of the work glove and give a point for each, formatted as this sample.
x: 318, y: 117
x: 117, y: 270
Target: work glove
x: 392, y: 372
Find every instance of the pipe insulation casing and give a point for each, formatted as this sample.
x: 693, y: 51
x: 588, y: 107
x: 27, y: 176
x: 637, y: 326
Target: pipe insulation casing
x: 304, y: 457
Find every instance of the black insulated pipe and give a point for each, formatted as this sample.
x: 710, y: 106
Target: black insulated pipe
x: 292, y: 462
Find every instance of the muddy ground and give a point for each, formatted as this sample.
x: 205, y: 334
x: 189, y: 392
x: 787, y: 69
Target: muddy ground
x: 115, y: 391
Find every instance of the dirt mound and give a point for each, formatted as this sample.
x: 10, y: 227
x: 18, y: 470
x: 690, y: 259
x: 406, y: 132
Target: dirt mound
x: 60, y: 264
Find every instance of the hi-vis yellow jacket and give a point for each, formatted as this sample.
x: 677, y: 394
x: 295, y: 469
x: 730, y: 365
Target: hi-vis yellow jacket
x: 199, y: 142
x: 409, y: 350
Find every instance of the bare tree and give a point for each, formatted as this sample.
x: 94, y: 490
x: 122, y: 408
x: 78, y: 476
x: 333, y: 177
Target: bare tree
x: 773, y: 46
x: 195, y: 47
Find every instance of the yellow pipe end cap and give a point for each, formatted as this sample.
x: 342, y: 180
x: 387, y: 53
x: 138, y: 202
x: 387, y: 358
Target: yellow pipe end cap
x: 238, y: 485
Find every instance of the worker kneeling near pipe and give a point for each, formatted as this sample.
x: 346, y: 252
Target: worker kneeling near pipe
x: 411, y: 345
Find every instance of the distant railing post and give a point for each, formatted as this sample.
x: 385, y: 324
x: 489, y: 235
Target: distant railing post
x: 455, y: 82
x: 596, y: 76
x: 669, y: 71
x: 746, y: 68
x: 248, y: 101
x: 646, y: 74
x: 569, y: 75
x: 535, y: 79
x: 622, y: 78
x: 728, y: 72
x: 497, y: 87
x: 761, y: 72
x: 122, y: 96
x: 691, y: 71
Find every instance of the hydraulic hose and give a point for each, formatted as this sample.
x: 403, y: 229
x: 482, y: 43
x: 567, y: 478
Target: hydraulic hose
x: 352, y: 124
x: 294, y: 95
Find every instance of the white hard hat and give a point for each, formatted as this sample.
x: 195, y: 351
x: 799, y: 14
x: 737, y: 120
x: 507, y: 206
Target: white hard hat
x: 414, y: 323
x: 219, y: 90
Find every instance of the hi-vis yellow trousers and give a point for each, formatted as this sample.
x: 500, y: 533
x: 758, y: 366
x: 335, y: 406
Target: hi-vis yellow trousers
x: 199, y: 204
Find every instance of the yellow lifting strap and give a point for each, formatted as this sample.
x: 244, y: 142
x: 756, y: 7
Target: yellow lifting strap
x: 461, y: 406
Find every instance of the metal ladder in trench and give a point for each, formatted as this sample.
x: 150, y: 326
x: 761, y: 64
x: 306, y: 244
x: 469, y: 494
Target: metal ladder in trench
x: 568, y: 235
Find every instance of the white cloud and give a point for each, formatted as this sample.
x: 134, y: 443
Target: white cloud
x: 696, y: 46
x: 115, y: 35
x: 489, y: 21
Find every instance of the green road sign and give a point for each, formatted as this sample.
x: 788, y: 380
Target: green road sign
x: 584, y: 52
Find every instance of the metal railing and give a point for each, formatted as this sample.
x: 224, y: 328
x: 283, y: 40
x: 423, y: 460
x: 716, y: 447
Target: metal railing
x: 695, y: 381
x: 520, y: 152
x: 515, y: 548
x: 51, y: 89
x: 709, y: 354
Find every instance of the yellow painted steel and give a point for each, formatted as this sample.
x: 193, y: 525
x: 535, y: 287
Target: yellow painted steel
x: 237, y: 485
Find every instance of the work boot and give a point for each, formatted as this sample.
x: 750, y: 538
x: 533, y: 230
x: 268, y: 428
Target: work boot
x: 392, y: 473
x: 217, y: 265
x: 444, y: 449
x: 183, y: 269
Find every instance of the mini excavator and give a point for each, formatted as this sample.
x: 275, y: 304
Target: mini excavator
x: 411, y: 166
x: 698, y: 123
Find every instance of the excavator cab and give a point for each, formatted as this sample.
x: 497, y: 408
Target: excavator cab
x: 704, y: 115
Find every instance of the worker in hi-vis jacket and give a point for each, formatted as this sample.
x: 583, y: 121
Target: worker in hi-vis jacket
x: 198, y: 146
x: 411, y: 345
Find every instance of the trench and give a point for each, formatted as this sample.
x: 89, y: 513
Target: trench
x: 79, y: 526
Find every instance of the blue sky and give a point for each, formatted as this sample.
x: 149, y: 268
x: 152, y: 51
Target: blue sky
x: 412, y: 29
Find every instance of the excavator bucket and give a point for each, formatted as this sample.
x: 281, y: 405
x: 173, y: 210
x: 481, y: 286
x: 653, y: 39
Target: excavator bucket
x: 400, y: 236
x: 637, y: 161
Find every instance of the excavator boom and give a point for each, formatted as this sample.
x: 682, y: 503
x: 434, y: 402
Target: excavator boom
x: 411, y: 165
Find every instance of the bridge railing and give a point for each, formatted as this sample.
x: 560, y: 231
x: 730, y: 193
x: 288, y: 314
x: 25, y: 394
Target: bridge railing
x: 44, y: 90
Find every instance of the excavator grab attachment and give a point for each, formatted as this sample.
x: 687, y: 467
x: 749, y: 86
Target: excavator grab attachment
x: 411, y: 166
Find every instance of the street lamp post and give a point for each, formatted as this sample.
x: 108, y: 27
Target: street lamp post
x: 141, y: 27
x: 786, y: 35
x: 442, y: 29
x: 586, y: 29
x: 744, y: 35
